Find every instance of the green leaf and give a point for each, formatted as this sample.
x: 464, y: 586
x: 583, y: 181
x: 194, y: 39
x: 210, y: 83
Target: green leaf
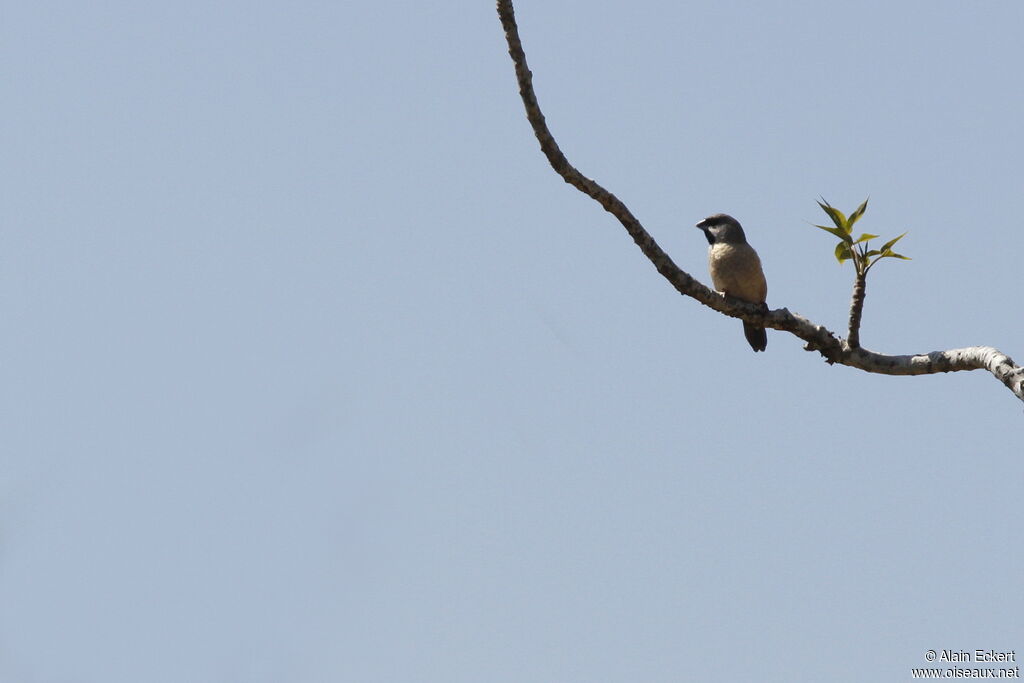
x: 838, y: 232
x: 888, y: 254
x: 873, y: 252
x: 837, y: 216
x: 843, y: 252
x: 865, y: 237
x: 888, y: 245
x: 855, y: 216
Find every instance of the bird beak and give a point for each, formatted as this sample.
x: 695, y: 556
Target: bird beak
x: 702, y: 225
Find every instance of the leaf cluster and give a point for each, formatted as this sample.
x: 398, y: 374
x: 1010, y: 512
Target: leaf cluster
x: 856, y: 250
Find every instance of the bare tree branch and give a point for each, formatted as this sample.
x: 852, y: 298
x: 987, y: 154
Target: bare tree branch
x: 860, y: 286
x: 833, y: 348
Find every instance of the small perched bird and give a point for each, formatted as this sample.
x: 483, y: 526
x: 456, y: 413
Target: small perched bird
x: 736, y: 269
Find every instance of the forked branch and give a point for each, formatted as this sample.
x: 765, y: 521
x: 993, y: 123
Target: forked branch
x: 833, y: 348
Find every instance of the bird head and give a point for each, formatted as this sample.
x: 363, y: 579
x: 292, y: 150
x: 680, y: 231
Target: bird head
x: 722, y: 229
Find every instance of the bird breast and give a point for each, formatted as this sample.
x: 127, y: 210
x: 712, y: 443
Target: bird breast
x: 736, y: 271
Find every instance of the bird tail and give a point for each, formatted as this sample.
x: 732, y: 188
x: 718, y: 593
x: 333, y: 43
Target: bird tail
x: 756, y: 336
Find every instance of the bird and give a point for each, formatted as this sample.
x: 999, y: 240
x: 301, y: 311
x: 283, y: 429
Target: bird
x: 736, y: 269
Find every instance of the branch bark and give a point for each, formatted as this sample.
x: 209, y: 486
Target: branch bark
x: 833, y: 348
x: 860, y: 286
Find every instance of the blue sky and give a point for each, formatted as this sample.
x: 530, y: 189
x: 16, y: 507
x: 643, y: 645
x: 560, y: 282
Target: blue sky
x: 313, y: 370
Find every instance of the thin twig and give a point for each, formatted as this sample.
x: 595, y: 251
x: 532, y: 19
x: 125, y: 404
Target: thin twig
x: 860, y: 286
